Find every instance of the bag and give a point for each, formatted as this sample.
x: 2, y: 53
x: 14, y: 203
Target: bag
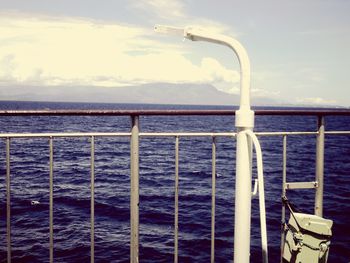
x: 307, y: 238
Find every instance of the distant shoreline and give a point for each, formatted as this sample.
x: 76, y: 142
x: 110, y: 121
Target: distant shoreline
x: 164, y: 106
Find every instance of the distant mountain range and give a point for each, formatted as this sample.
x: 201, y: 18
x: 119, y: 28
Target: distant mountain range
x: 156, y: 93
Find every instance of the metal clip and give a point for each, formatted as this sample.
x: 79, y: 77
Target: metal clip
x: 255, y: 189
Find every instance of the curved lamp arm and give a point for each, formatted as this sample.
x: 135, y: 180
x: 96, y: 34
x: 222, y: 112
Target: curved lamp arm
x: 244, y: 116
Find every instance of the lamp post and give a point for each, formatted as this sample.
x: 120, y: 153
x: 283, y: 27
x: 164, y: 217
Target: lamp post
x: 244, y: 122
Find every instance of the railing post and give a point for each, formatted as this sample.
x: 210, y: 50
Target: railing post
x: 8, y: 201
x: 92, y: 202
x: 319, y: 166
x: 134, y: 190
x: 176, y: 224
x: 213, y: 190
x: 51, y: 198
x: 284, y: 181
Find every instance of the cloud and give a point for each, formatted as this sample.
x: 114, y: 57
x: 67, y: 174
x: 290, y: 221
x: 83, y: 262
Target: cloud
x: 49, y: 51
x: 265, y: 93
x: 316, y: 101
x: 175, y: 12
x: 223, y: 79
x: 314, y: 75
x: 162, y: 8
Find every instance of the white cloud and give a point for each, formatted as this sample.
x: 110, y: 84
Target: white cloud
x: 50, y: 51
x: 223, y: 78
x: 265, y: 93
x: 316, y: 101
x: 175, y: 12
x: 162, y: 8
x: 314, y: 75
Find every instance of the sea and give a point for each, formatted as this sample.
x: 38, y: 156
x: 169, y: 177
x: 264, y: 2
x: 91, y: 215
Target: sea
x: 30, y: 182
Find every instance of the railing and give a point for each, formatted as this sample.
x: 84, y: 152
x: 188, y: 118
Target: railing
x: 134, y: 135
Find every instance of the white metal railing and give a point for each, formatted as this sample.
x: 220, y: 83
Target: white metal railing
x: 134, y: 136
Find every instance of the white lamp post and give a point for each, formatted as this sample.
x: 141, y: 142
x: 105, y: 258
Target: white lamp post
x: 244, y: 122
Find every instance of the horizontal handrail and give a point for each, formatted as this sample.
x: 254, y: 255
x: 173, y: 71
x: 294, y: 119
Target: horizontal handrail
x: 154, y: 134
x: 64, y: 134
x: 188, y: 134
x: 337, y: 132
x: 161, y: 112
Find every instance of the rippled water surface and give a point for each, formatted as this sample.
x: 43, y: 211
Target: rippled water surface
x: 30, y: 181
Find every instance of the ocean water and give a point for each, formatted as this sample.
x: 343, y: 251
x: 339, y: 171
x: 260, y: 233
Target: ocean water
x: 30, y: 181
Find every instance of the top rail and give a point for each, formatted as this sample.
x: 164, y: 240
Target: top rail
x: 284, y: 112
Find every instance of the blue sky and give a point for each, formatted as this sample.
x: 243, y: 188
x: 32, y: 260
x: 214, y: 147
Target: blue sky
x: 299, y: 50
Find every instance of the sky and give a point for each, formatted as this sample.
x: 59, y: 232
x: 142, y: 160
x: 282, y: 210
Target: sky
x: 299, y: 50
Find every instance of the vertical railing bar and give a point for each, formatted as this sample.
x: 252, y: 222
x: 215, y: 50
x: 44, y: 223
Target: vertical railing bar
x: 319, y: 166
x: 134, y: 190
x: 8, y: 201
x: 176, y: 223
x: 213, y: 189
x: 284, y: 181
x: 51, y: 198
x: 92, y: 202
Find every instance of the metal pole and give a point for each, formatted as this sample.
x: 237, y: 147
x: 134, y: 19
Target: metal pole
x: 8, y: 201
x: 213, y: 189
x: 244, y: 121
x: 92, y: 203
x: 51, y: 199
x: 176, y: 224
x: 319, y: 166
x: 284, y: 180
x: 242, y: 199
x: 134, y: 190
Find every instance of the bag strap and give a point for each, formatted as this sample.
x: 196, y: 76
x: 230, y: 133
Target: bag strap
x: 292, y: 209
